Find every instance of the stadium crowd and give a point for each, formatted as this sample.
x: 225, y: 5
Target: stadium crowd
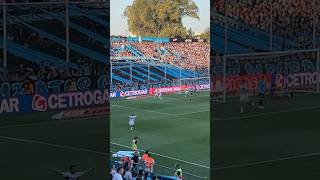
x: 188, y: 55
x: 20, y: 66
x: 135, y: 168
x: 291, y: 18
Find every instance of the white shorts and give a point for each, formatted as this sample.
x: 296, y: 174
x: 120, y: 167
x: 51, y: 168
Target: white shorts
x: 244, y: 97
x: 131, y: 123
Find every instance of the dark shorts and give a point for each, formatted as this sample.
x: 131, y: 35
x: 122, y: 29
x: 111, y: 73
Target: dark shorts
x: 261, y: 95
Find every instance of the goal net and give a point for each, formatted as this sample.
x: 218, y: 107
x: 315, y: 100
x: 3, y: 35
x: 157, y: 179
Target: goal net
x: 198, y: 84
x: 285, y: 72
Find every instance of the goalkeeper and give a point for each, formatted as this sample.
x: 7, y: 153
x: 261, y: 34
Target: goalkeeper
x: 261, y: 88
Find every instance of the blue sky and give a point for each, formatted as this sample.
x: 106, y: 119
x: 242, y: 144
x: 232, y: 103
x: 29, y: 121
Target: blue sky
x: 119, y: 24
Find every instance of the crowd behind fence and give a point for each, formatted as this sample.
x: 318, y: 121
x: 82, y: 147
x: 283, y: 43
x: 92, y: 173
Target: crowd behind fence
x: 41, y: 39
x: 289, y: 20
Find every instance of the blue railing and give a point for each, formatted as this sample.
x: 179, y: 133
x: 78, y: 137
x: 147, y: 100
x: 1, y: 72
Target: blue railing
x: 33, y: 55
x: 79, y: 49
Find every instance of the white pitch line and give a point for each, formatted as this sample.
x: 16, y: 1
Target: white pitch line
x: 157, y: 112
x: 168, y: 114
x: 52, y: 145
x: 45, y: 123
x: 267, y: 161
x: 172, y: 158
x: 194, y: 112
x: 266, y: 114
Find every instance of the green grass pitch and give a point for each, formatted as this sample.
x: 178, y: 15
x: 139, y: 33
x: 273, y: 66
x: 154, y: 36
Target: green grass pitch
x: 175, y: 129
x: 279, y: 142
x: 32, y: 144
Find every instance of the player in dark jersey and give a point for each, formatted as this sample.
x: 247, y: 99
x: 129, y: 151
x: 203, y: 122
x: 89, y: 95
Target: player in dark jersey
x: 261, y: 88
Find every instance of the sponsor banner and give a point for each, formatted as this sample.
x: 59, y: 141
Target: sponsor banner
x: 81, y: 113
x: 233, y: 82
x: 151, y: 91
x: 297, y: 80
x: 172, y: 89
x: 203, y: 87
x: 70, y: 100
x: 10, y: 105
x: 133, y: 93
x: 43, y: 103
x: 168, y: 90
x: 301, y: 81
x: 129, y: 93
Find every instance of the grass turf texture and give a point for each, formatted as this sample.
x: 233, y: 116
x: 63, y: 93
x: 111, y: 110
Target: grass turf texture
x: 174, y: 127
x: 279, y: 142
x: 32, y: 144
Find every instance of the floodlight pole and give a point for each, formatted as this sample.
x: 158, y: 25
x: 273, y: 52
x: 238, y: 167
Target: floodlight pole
x: 180, y: 76
x: 67, y: 38
x: 315, y: 20
x: 111, y: 72
x: 5, y: 58
x: 271, y: 25
x: 131, y: 71
x: 225, y: 28
x: 165, y: 72
x: 318, y: 68
x: 224, y: 78
x: 148, y: 72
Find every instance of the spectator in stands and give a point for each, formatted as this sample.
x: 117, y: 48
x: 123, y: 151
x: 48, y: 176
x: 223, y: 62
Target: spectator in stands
x: 155, y: 178
x: 145, y: 156
x: 140, y: 175
x: 149, y: 163
x: 135, y: 160
x: 128, y: 174
x: 113, y: 171
x: 293, y: 18
x: 124, y: 160
x: 188, y: 55
x: 118, y: 174
x: 28, y: 87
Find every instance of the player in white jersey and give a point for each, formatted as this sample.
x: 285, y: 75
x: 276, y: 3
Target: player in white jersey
x: 132, y: 118
x: 157, y: 94
x: 244, y: 96
x: 188, y: 92
x: 72, y: 174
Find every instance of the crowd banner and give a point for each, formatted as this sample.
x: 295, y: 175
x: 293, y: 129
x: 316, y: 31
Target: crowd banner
x: 83, y: 83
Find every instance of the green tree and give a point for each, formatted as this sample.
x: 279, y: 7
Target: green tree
x: 206, y: 35
x: 160, y: 18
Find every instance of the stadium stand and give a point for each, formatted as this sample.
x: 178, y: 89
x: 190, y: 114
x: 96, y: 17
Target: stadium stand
x: 249, y: 24
x: 154, y: 64
x: 37, y: 49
